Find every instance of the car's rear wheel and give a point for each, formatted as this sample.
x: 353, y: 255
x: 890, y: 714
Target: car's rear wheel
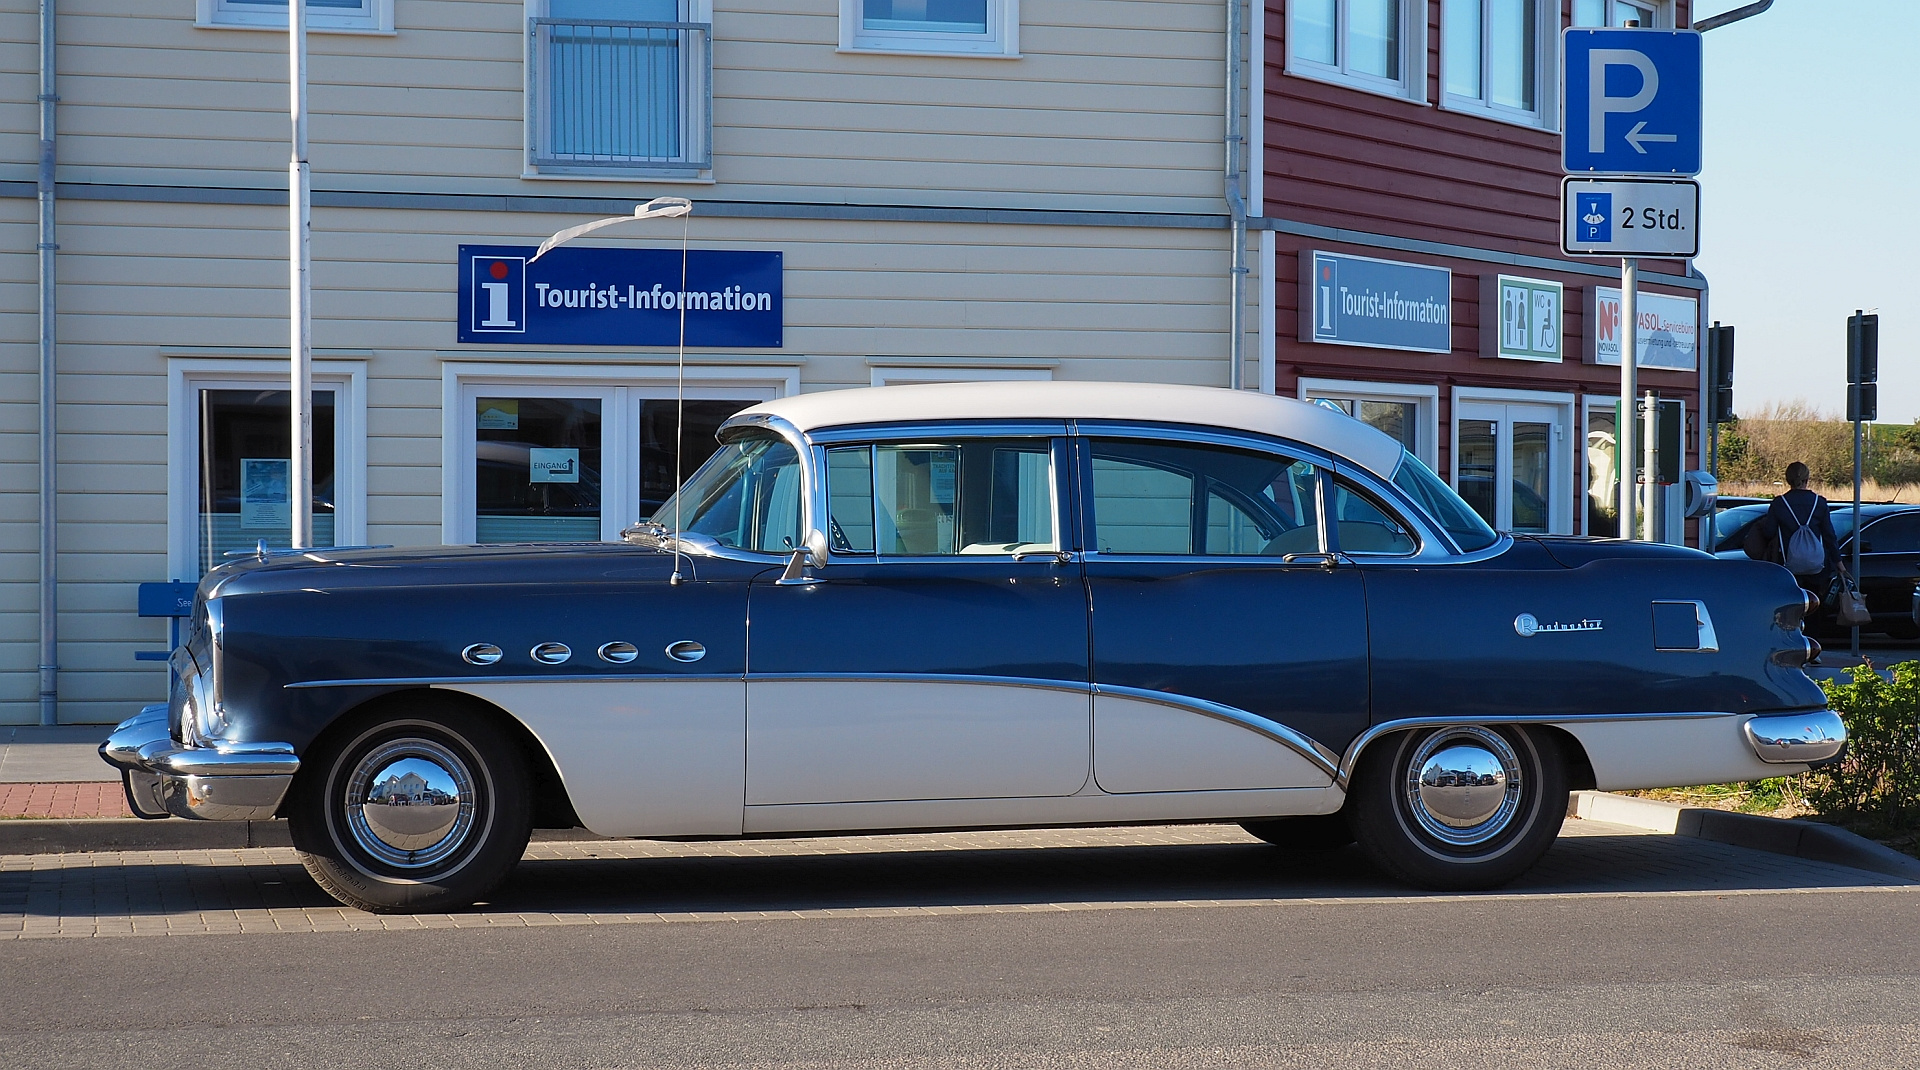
x: 1461, y: 807
x: 413, y: 809
x: 1307, y: 834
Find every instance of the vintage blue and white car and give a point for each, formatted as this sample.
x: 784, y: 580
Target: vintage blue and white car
x: 982, y: 605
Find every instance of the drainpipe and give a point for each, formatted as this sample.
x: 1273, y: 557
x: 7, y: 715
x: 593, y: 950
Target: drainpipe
x: 1236, y: 205
x: 49, y: 619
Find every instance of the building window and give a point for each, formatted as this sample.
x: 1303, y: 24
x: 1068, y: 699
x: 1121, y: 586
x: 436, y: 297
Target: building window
x: 1376, y: 45
x: 1498, y: 58
x: 1407, y: 413
x: 619, y: 86
x: 1620, y: 13
x: 364, y: 16
x: 542, y: 454
x: 229, y: 460
x: 938, y: 27
x: 1510, y: 460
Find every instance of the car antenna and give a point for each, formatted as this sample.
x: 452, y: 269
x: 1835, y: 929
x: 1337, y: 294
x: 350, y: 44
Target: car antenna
x: 680, y: 395
x: 658, y: 208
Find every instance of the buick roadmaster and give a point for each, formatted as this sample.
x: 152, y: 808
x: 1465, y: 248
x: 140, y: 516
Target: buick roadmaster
x: 973, y: 606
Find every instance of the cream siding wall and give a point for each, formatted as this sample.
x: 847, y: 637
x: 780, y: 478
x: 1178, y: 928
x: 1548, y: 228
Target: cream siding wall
x: 1115, y: 105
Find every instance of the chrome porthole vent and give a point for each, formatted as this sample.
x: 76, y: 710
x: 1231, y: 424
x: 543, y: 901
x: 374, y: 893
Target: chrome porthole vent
x: 552, y: 653
x: 481, y: 654
x: 618, y: 653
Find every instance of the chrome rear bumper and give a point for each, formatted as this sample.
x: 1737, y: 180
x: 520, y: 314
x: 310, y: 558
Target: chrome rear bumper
x: 227, y: 781
x: 1797, y: 738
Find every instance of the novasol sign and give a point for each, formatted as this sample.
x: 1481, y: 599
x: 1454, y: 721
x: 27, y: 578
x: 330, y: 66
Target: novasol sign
x: 1520, y: 319
x: 1668, y: 332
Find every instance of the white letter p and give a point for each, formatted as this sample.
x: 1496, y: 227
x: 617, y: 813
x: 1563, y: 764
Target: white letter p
x: 1600, y: 105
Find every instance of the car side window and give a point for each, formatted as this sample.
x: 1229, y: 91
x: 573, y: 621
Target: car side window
x: 747, y: 496
x: 1163, y: 498
x: 965, y: 497
x: 1363, y: 526
x: 1898, y: 534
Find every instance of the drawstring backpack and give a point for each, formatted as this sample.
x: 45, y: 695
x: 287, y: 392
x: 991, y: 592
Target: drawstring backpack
x: 1805, y: 554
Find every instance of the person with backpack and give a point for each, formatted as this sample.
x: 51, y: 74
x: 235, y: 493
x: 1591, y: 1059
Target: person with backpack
x: 1802, y: 522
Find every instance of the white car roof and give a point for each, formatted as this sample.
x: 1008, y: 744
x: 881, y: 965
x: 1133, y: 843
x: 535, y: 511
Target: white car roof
x: 1240, y: 410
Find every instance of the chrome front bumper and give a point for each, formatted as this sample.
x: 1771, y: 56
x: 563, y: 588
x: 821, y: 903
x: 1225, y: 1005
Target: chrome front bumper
x: 1797, y: 738
x: 228, y: 781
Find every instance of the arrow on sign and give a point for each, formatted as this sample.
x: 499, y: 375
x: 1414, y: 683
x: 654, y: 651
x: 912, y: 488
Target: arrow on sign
x: 1635, y: 138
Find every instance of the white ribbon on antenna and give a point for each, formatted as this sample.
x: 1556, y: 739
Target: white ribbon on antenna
x: 658, y: 208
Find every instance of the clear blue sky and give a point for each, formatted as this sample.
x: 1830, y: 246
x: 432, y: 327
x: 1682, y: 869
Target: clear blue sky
x: 1810, y: 200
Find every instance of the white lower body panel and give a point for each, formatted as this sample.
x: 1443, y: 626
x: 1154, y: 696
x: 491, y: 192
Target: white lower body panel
x: 1637, y: 753
x: 1140, y: 746
x: 1087, y: 809
x: 639, y: 757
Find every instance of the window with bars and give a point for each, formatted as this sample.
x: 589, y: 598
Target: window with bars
x: 619, y: 85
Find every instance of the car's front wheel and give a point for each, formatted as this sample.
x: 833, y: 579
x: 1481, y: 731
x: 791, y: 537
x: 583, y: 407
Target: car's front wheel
x: 1459, y: 808
x: 412, y: 809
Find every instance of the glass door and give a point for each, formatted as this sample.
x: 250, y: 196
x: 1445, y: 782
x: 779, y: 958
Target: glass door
x: 1506, y: 464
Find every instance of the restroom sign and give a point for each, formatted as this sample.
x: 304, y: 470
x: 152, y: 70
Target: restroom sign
x: 1520, y: 319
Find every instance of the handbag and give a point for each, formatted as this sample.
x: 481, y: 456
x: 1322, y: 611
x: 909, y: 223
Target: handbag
x: 1850, y: 610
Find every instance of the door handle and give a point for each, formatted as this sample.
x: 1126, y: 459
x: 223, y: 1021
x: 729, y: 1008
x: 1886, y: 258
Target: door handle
x: 686, y: 650
x: 1059, y: 557
x: 1327, y: 562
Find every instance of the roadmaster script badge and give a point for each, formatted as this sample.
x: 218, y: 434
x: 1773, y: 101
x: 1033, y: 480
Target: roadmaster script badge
x: 1527, y: 624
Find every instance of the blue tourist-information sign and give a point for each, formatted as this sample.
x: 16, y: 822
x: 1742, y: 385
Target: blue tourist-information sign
x: 620, y: 297
x: 1384, y: 304
x: 1631, y: 102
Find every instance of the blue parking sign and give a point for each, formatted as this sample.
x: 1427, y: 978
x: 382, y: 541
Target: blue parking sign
x: 1631, y: 102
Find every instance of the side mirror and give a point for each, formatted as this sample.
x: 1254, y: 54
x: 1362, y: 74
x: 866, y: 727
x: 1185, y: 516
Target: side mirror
x: 800, y: 565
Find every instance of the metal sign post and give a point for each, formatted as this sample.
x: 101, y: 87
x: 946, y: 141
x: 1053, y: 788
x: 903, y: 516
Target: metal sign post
x: 300, y: 283
x: 1624, y: 425
x: 1630, y: 106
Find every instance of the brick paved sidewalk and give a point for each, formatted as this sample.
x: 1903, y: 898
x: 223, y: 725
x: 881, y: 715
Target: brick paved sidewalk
x: 67, y: 801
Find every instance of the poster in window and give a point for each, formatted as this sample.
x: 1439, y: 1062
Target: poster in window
x: 498, y: 414
x: 264, y: 501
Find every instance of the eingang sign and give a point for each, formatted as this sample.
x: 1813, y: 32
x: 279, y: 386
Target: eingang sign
x: 620, y: 297
x: 1383, y: 304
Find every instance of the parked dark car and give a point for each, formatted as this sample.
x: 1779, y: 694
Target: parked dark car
x: 1889, y: 562
x: 982, y: 605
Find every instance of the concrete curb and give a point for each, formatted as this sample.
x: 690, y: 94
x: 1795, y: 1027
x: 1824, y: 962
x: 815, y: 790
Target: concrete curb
x: 1801, y: 839
x: 88, y: 835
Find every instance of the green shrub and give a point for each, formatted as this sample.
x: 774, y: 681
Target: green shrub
x: 1877, y: 785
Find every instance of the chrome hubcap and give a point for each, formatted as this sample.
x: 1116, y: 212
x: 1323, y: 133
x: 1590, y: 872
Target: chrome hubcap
x: 410, y: 803
x: 1463, y: 785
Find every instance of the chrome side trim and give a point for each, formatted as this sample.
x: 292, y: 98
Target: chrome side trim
x: 1279, y: 733
x: 1305, y: 746
x: 553, y: 678
x: 1352, y: 758
x: 1796, y: 738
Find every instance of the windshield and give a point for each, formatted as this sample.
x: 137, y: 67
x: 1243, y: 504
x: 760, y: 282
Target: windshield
x: 1446, y: 509
x: 747, y: 496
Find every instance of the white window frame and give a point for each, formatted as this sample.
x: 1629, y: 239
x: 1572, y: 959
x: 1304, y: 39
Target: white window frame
x: 1545, y: 114
x: 620, y: 389
x: 1412, y: 84
x: 1002, y: 40
x: 1559, y: 505
x: 1662, y: 14
x: 896, y: 371
x: 1425, y: 399
x: 186, y: 376
x: 532, y: 133
x: 375, y: 17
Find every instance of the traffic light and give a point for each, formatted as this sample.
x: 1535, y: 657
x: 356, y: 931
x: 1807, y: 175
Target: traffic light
x: 1720, y: 374
x: 1863, y: 366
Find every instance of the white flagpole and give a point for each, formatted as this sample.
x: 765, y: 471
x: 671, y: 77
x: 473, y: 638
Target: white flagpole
x: 300, y: 268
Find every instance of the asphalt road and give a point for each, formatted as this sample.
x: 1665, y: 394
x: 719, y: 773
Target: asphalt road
x: 1625, y: 951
